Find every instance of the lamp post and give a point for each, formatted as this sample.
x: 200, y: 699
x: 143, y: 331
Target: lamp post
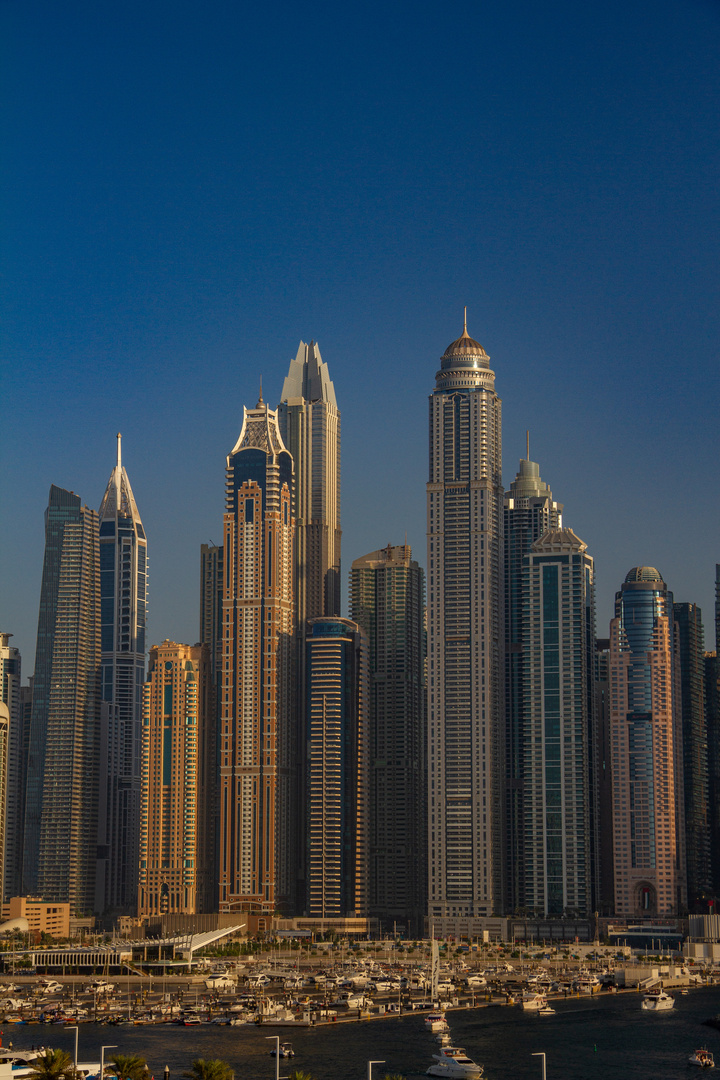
x: 541, y: 1055
x: 77, y: 1035
x: 110, y: 1046
x: 276, y: 1039
x: 370, y: 1065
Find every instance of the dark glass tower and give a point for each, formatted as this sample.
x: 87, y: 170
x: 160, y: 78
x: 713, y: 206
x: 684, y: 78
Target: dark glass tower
x: 529, y: 511
x: 123, y: 590
x: 61, y: 820
x: 691, y: 641
x: 387, y: 597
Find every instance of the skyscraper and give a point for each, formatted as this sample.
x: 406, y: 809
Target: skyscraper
x: 691, y: 645
x: 177, y: 843
x: 559, y: 735
x: 61, y: 818
x: 337, y: 763
x: 211, y: 593
x: 309, y: 422
x: 465, y: 638
x: 257, y: 736
x: 529, y: 511
x: 123, y: 591
x: 387, y: 597
x: 646, y: 740
x: 14, y: 803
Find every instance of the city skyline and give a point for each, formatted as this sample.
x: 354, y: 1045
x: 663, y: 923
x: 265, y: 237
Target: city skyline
x: 179, y: 215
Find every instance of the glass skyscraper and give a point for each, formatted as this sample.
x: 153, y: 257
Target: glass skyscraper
x: 646, y: 742
x: 123, y: 592
x: 387, y: 598
x: 559, y: 793
x: 529, y: 511
x: 465, y: 631
x: 61, y: 818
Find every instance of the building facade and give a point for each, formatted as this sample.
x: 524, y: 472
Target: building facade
x: 13, y: 802
x: 337, y: 762
x: 258, y: 836
x: 123, y: 603
x: 559, y: 735
x: 691, y: 645
x: 465, y: 639
x: 61, y: 817
x: 177, y: 837
x: 646, y: 741
x: 387, y: 600
x: 309, y: 422
x: 529, y: 510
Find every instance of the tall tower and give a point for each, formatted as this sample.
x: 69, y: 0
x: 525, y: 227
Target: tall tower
x: 14, y: 801
x: 387, y: 596
x: 61, y: 819
x: 559, y: 785
x: 123, y: 590
x: 257, y: 737
x: 646, y: 739
x: 337, y: 762
x: 178, y: 768
x: 309, y: 422
x: 529, y: 511
x: 465, y: 638
x: 691, y: 644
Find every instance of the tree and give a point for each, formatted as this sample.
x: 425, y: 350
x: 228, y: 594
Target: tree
x: 213, y: 1069
x: 127, y: 1067
x: 298, y: 1074
x: 52, y: 1065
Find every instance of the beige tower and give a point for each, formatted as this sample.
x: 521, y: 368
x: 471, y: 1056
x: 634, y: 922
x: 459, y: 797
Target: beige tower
x: 256, y: 709
x: 646, y: 741
x: 178, y: 761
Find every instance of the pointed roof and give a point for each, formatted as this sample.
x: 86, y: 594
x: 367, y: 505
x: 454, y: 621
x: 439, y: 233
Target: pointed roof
x: 465, y: 345
x: 118, y: 498
x: 308, y: 377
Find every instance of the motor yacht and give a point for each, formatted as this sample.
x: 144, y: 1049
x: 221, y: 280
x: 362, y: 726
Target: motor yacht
x: 436, y: 1021
x: 658, y: 1001
x: 453, y: 1062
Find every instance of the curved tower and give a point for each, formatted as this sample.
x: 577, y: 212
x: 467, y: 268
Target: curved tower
x: 646, y: 741
x: 465, y: 634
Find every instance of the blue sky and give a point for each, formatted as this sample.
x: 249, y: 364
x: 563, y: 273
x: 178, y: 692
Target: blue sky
x: 188, y: 190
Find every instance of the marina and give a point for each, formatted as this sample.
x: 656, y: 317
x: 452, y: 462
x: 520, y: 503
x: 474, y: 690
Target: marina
x: 589, y: 1036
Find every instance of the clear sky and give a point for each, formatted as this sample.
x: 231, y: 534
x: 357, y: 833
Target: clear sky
x: 188, y: 189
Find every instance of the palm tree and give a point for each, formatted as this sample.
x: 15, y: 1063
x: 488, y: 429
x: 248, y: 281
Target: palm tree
x: 209, y: 1070
x: 52, y: 1065
x: 127, y: 1067
x: 298, y: 1074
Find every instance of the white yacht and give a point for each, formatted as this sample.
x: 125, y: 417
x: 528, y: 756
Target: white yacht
x: 533, y: 1002
x: 453, y: 1062
x: 435, y: 1021
x: 658, y: 1001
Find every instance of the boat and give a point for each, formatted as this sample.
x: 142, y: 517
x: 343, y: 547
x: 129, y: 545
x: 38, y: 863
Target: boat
x: 546, y: 1010
x: 533, y: 1002
x: 453, y: 1062
x: 703, y: 1058
x: 658, y: 1001
x: 285, y: 1050
x: 436, y: 1022
x: 444, y: 1038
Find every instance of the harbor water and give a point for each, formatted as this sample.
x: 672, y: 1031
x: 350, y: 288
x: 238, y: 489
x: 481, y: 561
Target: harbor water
x: 586, y: 1039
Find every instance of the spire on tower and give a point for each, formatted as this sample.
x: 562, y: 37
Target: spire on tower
x: 119, y: 451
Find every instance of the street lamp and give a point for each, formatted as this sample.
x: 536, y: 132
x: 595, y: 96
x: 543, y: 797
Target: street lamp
x: 110, y: 1046
x: 276, y: 1039
x: 370, y: 1065
x: 541, y: 1055
x: 77, y: 1035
